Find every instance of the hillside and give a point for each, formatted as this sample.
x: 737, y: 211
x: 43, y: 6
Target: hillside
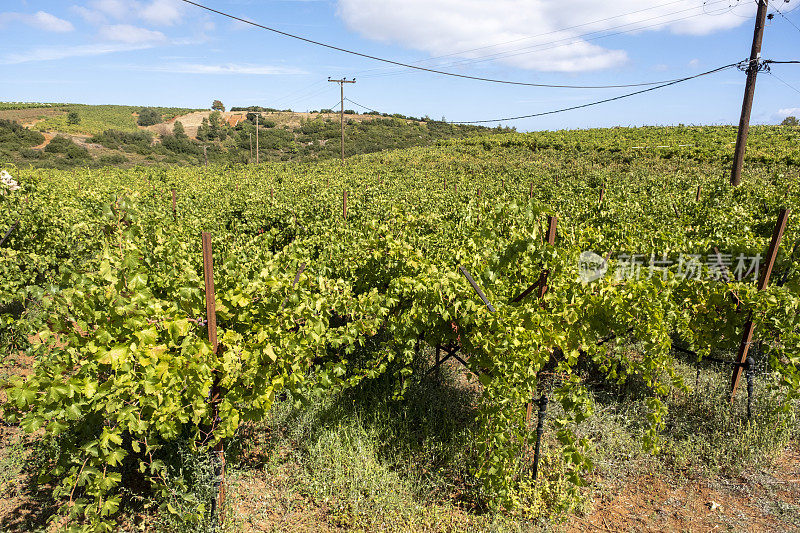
x: 112, y: 135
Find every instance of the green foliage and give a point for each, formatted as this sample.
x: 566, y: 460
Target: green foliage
x: 213, y: 128
x: 790, y: 121
x: 10, y: 106
x: 66, y: 146
x: 178, y: 130
x: 73, y: 118
x: 13, y: 136
x: 138, y: 141
x: 125, y: 370
x: 218, y: 106
x: 96, y: 119
x: 149, y: 117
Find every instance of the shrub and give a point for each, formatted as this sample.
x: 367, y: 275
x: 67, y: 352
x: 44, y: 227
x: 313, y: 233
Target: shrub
x: 113, y: 159
x: 73, y: 118
x: 123, y: 140
x: 149, y: 117
x: 179, y: 131
x: 790, y: 121
x: 181, y: 145
x: 15, y: 137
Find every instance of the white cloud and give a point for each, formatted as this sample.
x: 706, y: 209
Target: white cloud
x: 540, y: 35
x: 50, y: 53
x: 89, y: 15
x: 162, y: 12
x: 156, y: 12
x: 47, y: 22
x: 694, y: 63
x: 117, y: 9
x: 40, y: 20
x: 126, y: 33
x: 789, y: 111
x: 254, y: 70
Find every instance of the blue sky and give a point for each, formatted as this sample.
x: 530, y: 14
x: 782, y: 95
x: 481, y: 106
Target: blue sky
x: 166, y: 52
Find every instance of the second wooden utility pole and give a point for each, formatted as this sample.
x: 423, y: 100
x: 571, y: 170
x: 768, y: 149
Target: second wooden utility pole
x: 257, y: 161
x: 749, y: 90
x: 341, y: 83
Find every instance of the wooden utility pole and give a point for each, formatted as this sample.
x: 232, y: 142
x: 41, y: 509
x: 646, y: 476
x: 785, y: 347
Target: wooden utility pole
x: 341, y: 83
x: 749, y: 91
x: 251, y: 148
x: 257, y: 140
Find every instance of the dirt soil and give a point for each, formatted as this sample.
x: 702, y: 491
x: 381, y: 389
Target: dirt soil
x: 29, y: 117
x: 192, y: 121
x: 765, y: 500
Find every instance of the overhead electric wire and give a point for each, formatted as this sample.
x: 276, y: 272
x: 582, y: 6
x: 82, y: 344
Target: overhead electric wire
x: 529, y: 37
x: 582, y: 37
x: 360, y: 105
x: 425, y: 69
x: 787, y: 19
x: 620, y: 97
x: 792, y: 87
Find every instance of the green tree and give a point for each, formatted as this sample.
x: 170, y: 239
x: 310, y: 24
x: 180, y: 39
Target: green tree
x: 149, y: 117
x: 73, y: 118
x: 790, y: 121
x: 218, y: 106
x: 179, y: 131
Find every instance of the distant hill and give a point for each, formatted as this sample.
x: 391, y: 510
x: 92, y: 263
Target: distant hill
x: 64, y: 135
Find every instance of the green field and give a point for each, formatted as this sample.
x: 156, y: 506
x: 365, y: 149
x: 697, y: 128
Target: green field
x: 96, y: 119
x: 323, y: 390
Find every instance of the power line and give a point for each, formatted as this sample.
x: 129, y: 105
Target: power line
x: 785, y: 17
x: 599, y: 101
x: 792, y: 87
x: 360, y: 105
x: 425, y: 69
x: 567, y: 41
x: 576, y: 26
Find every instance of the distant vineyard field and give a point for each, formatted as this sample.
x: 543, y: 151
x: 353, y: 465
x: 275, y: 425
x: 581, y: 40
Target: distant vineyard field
x: 95, y: 119
x: 9, y: 106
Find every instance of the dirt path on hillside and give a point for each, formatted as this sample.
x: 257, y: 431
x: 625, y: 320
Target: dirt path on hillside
x: 47, y: 138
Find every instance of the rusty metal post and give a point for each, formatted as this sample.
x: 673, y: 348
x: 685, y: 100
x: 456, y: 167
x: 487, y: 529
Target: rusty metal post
x: 344, y: 205
x: 211, y: 317
x: 543, y: 401
x: 174, y: 205
x: 8, y: 233
x: 552, y: 222
x: 697, y: 198
x: 763, y: 282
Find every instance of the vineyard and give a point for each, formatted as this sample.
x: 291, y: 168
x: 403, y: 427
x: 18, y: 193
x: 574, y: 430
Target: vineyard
x: 332, y: 277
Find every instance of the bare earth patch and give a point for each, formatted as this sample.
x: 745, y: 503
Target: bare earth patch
x: 29, y: 117
x: 192, y: 121
x: 765, y: 500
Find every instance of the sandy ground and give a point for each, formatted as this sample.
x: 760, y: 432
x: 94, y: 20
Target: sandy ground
x: 192, y: 121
